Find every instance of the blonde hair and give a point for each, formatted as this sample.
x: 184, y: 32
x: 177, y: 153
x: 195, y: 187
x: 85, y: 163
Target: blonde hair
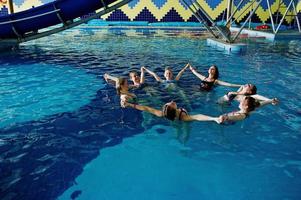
x: 119, y: 83
x: 168, y: 68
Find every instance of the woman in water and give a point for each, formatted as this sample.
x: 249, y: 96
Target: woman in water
x: 207, y: 83
x: 246, y: 106
x: 121, y: 85
x: 245, y: 90
x: 137, y: 80
x: 168, y: 75
x: 134, y: 77
x: 170, y: 111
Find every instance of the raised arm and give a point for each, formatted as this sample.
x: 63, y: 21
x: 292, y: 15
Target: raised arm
x: 273, y: 101
x: 142, y: 75
x: 200, y: 76
x: 153, y: 74
x: 153, y: 111
x: 260, y: 97
x: 200, y: 117
x: 223, y: 83
x: 109, y: 78
x: 181, y: 72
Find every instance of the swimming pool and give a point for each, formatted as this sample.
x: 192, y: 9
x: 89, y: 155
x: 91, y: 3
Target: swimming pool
x: 63, y: 134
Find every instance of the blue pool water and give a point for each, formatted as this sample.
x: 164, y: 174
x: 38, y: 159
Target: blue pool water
x: 63, y: 134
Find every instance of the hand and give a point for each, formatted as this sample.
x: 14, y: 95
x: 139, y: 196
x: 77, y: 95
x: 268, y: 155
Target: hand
x: 275, y: 101
x: 218, y: 120
x: 187, y: 65
x: 222, y: 119
x: 191, y: 68
x: 231, y: 95
x: 123, y: 102
x: 142, y: 68
x: 105, y: 76
x: 125, y: 97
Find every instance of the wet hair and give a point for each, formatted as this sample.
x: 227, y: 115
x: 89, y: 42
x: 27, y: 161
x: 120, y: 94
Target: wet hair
x: 252, y: 103
x: 133, y: 72
x: 168, y: 69
x: 216, y: 75
x: 169, y: 112
x: 119, y: 83
x: 253, y: 89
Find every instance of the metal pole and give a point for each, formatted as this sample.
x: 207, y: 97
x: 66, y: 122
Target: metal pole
x: 204, y: 12
x: 232, y: 15
x: 199, y: 17
x: 282, y: 19
x: 251, y: 4
x: 271, y: 15
x: 250, y: 18
x: 278, y: 11
x: 228, y: 38
x: 11, y: 6
x: 229, y: 9
x: 297, y: 19
x: 237, y: 34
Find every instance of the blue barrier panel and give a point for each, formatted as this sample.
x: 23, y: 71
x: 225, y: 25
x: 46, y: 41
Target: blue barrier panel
x: 46, y: 15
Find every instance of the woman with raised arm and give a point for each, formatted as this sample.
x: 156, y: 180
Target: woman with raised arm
x: 121, y: 85
x: 245, y: 90
x: 171, y: 112
x: 168, y: 75
x: 137, y: 80
x: 246, y: 106
x: 208, y: 82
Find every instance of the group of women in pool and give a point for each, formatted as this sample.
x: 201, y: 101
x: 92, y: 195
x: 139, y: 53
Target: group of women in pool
x: 246, y: 95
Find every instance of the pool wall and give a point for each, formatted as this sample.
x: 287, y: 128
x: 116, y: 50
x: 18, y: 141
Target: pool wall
x: 168, y: 10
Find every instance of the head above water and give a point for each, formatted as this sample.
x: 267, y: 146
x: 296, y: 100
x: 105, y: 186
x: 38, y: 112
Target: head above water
x: 248, y: 104
x: 170, y: 110
x: 134, y: 77
x: 249, y: 89
x: 213, y: 72
x: 121, y: 84
x: 168, y: 74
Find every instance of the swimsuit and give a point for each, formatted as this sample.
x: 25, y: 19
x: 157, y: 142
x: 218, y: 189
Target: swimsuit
x: 169, y: 81
x: 182, y: 110
x: 231, y: 96
x: 207, y: 85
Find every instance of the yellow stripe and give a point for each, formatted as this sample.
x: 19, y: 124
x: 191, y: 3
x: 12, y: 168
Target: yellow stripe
x: 159, y: 13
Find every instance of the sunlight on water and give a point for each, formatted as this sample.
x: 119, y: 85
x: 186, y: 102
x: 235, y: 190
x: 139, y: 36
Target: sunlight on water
x: 30, y: 92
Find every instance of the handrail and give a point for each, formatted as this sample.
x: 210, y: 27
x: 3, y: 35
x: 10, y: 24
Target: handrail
x: 32, y: 17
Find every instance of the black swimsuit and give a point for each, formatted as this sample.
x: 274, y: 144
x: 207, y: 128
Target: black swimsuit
x: 182, y: 110
x: 231, y: 97
x: 207, y: 85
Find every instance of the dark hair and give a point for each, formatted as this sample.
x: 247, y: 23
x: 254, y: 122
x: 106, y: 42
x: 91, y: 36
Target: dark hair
x: 169, y: 113
x: 119, y: 83
x: 253, y: 89
x: 252, y: 103
x: 216, y: 75
x: 133, y: 72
